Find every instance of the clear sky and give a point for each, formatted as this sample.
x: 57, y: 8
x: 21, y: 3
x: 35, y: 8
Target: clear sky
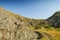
x: 39, y: 9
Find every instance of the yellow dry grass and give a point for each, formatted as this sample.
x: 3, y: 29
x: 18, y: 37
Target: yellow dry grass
x: 54, y: 33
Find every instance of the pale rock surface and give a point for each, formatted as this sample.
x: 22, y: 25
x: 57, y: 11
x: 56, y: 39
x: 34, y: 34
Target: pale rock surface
x: 13, y: 29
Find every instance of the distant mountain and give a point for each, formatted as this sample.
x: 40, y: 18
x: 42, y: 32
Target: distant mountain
x: 54, y: 20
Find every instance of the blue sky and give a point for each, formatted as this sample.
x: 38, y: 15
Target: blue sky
x: 37, y: 9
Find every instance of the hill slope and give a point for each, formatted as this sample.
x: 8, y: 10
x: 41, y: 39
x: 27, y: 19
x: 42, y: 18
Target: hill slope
x: 11, y: 28
x: 16, y: 27
x: 54, y: 20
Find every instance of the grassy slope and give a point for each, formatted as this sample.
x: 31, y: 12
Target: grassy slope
x: 53, y: 32
x: 41, y: 27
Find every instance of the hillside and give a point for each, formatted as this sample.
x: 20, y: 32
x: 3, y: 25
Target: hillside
x: 54, y: 20
x: 45, y: 26
x: 11, y: 28
x: 17, y: 27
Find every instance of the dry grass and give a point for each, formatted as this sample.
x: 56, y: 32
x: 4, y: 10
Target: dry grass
x: 53, y: 32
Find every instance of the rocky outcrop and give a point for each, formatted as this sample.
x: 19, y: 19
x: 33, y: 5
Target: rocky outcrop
x: 12, y: 28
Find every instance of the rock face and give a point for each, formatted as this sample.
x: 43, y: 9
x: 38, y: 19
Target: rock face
x: 12, y: 28
x: 54, y: 20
